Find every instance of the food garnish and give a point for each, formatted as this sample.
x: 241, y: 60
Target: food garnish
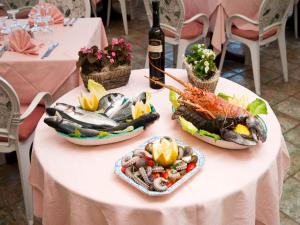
x: 88, y: 102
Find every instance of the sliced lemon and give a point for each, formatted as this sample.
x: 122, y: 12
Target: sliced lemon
x: 90, y: 103
x: 97, y: 88
x: 140, y: 109
x: 165, y: 152
x: 241, y: 129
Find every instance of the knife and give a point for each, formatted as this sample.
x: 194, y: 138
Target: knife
x: 49, y: 50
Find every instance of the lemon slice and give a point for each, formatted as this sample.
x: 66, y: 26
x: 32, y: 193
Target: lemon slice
x: 243, y: 130
x: 97, y: 88
x: 88, y: 103
x: 165, y: 152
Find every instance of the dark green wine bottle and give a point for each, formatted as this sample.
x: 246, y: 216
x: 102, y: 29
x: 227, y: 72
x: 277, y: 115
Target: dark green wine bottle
x: 156, y: 48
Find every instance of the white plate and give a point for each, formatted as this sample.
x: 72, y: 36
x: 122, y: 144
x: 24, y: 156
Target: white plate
x: 199, y: 165
x: 90, y: 141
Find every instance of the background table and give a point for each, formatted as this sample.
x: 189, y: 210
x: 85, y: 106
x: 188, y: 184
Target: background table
x: 218, y: 11
x: 77, y: 185
x: 57, y: 73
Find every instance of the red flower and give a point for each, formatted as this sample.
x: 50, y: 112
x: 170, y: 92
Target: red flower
x: 114, y: 41
x: 99, y: 55
x: 112, y: 61
x: 113, y: 54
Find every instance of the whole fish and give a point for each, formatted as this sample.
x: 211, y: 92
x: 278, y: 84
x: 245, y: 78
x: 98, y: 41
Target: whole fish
x: 67, y: 127
x: 87, y: 119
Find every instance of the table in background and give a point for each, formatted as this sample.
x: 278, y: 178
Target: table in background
x: 218, y: 11
x: 57, y: 74
x: 77, y: 185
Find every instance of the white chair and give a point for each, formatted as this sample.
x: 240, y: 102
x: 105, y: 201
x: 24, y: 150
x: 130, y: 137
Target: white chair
x: 271, y: 27
x: 123, y: 11
x: 17, y: 132
x: 296, y: 18
x: 178, y: 32
x: 73, y: 8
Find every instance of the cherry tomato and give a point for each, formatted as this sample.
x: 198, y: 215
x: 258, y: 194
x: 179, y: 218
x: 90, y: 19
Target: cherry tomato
x: 150, y: 163
x: 123, y: 169
x: 165, y: 175
x: 190, y: 166
x: 147, y: 158
x: 155, y: 175
x: 170, y: 183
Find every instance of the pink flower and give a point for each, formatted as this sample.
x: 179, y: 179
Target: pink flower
x: 129, y: 46
x: 121, y: 41
x: 114, y: 41
x: 113, y: 54
x: 112, y: 61
x: 128, y: 57
x: 99, y: 55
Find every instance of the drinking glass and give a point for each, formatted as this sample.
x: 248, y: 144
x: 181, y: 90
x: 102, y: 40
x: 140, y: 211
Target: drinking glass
x: 13, y: 12
x: 35, y: 15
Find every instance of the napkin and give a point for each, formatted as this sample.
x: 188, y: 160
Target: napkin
x: 20, y: 41
x: 54, y: 12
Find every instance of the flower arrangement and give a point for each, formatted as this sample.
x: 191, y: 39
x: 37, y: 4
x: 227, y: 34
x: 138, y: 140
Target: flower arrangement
x: 202, y: 61
x: 117, y: 54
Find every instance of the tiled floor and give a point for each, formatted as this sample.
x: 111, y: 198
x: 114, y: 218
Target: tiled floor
x: 283, y: 97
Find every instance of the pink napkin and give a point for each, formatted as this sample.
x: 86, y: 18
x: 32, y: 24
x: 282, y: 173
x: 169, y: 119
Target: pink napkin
x: 20, y: 41
x: 54, y: 12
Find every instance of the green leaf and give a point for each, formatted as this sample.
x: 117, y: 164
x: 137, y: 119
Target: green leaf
x: 187, y: 126
x: 258, y: 106
x: 216, y: 137
x: 103, y: 134
x: 76, y: 133
x: 225, y: 96
x: 173, y: 99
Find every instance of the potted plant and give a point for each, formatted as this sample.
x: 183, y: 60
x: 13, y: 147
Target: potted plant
x: 201, y: 67
x: 110, y: 67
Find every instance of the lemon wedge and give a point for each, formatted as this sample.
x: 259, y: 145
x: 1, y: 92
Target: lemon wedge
x: 97, y: 88
x: 165, y: 152
x: 243, y: 130
x: 89, y: 103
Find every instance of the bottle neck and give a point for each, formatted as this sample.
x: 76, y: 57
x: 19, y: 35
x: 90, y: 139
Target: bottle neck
x: 155, y: 10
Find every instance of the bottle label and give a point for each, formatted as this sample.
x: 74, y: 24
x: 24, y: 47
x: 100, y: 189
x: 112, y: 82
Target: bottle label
x: 155, y: 48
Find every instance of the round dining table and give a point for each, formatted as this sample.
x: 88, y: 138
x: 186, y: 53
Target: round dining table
x: 76, y: 185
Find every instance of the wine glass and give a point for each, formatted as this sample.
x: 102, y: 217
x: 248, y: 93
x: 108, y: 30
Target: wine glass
x: 35, y: 15
x: 13, y: 10
x: 46, y: 17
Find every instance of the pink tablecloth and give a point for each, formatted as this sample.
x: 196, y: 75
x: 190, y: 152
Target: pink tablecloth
x: 76, y: 185
x: 56, y: 74
x: 218, y: 11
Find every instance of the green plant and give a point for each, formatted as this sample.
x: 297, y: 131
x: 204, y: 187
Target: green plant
x: 202, y: 61
x: 116, y: 54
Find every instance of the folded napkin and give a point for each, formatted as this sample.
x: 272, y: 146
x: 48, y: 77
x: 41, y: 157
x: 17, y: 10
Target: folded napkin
x: 20, y: 41
x: 54, y: 12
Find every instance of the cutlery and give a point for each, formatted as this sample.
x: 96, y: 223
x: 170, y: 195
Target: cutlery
x: 72, y: 23
x: 49, y: 50
x: 68, y: 21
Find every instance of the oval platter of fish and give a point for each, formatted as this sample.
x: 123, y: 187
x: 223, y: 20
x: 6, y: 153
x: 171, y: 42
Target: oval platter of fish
x: 107, y: 119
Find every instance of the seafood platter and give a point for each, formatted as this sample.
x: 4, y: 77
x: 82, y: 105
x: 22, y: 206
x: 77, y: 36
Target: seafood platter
x: 160, y: 165
x: 221, y: 120
x: 102, y: 119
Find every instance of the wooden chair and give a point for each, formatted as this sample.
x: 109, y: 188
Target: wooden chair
x: 271, y: 27
x: 178, y: 32
x: 17, y: 132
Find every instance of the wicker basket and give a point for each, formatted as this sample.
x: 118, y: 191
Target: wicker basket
x: 110, y: 79
x: 208, y: 85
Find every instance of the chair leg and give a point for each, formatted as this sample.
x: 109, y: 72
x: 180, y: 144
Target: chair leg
x: 23, y: 156
x: 124, y: 15
x: 223, y: 56
x: 108, y: 12
x: 180, y: 54
x: 255, y: 57
x: 296, y: 20
x: 132, y: 7
x: 175, y: 54
x: 282, y: 49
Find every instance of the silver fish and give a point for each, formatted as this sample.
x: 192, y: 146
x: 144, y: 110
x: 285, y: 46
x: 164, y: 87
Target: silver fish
x: 87, y: 119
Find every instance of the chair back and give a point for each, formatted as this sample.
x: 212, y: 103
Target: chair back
x: 273, y: 14
x: 20, y: 4
x: 73, y: 8
x: 172, y: 15
x: 9, y: 117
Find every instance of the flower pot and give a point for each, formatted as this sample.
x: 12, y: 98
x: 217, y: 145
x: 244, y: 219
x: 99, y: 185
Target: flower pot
x: 109, y: 79
x: 208, y: 85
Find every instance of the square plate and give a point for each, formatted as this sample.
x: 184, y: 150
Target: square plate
x: 199, y: 165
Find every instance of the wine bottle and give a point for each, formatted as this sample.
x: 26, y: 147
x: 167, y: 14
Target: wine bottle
x: 156, y: 48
